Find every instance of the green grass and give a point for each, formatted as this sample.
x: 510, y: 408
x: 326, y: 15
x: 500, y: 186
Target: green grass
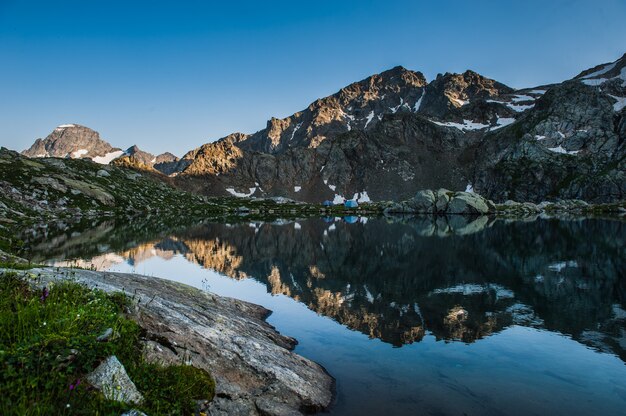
x: 48, y: 343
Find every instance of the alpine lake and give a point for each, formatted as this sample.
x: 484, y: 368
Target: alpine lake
x: 412, y: 316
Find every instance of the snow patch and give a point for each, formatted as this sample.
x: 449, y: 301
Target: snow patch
x: 333, y: 227
x: 64, y: 126
x: 476, y: 289
x: 538, y: 137
x: 560, y: 149
x: 540, y: 92
x: 370, y: 116
x: 469, y: 188
x: 297, y: 188
x: 467, y: 125
x: 520, y: 107
x: 81, y: 152
x: 368, y: 294
x: 520, y: 97
x: 503, y: 121
x: 603, y: 70
x: 293, y: 133
x: 395, y: 109
x: 109, y: 157
x: 621, y: 102
x: 459, y: 102
x: 338, y: 199
x: 418, y: 104
x: 240, y: 194
x: 297, y: 226
x: 594, y: 82
x: 558, y: 266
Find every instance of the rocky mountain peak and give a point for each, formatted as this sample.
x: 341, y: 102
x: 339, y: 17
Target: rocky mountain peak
x: 451, y: 90
x: 133, y: 149
x: 72, y: 141
x: 166, y: 157
x: 609, y: 79
x: 360, y: 105
x: 393, y: 133
x: 80, y: 142
x: 604, y: 71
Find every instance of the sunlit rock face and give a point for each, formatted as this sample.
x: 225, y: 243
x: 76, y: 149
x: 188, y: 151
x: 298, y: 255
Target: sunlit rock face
x: 400, y: 281
x: 74, y: 141
x: 79, y: 142
x: 394, y: 133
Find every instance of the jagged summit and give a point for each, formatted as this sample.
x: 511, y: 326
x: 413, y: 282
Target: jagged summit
x: 607, y: 70
x: 80, y: 142
x: 74, y: 141
x: 392, y: 133
x: 388, y: 135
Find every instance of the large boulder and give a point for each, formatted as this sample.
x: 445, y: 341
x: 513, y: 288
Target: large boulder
x: 423, y: 202
x: 442, y: 198
x: 467, y: 203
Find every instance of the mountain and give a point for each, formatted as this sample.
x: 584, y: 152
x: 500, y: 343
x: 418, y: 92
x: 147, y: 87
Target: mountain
x: 79, y: 142
x: 165, y: 163
x: 391, y: 134
x: 76, y: 142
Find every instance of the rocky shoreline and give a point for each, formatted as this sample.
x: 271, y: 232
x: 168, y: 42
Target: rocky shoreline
x: 255, y: 369
x: 446, y: 202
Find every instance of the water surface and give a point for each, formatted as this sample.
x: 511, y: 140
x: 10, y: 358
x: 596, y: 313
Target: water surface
x: 445, y: 317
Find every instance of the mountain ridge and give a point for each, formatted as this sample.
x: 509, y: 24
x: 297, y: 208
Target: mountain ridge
x: 80, y: 142
x: 393, y: 133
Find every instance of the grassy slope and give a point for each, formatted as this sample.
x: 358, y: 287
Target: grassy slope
x: 48, y: 345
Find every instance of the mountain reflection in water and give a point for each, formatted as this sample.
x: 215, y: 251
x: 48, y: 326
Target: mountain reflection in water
x: 405, y: 280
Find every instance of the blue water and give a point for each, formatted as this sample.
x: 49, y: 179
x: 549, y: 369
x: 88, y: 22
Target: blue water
x: 419, y: 318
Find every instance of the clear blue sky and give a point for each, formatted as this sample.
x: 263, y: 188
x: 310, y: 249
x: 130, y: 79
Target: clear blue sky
x: 174, y: 75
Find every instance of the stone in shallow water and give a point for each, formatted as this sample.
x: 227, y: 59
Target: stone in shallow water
x: 111, y: 379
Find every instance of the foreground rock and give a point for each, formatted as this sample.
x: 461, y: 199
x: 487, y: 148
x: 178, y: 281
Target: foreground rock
x: 111, y: 379
x: 255, y: 371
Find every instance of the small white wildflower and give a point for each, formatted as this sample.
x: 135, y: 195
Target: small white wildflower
x: 67, y: 405
x: 44, y: 324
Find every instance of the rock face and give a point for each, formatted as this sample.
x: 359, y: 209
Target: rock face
x: 111, y: 379
x: 254, y: 368
x: 391, y: 134
x: 165, y: 163
x: 79, y: 142
x: 72, y: 141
